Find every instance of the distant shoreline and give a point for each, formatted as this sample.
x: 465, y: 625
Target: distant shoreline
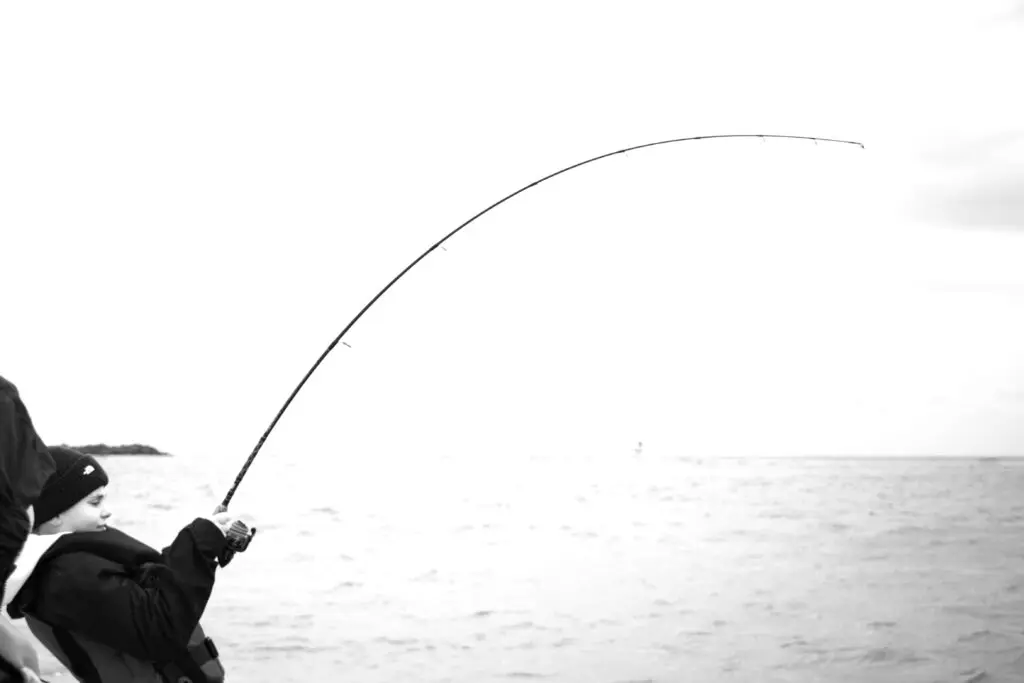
x: 127, y: 449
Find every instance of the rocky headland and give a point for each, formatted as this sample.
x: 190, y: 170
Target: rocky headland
x: 126, y: 449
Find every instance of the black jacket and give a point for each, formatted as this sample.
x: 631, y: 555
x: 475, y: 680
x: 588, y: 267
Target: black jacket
x: 120, y: 592
x: 25, y: 463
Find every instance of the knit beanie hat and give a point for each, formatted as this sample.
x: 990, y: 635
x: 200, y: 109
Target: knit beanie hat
x: 76, y: 476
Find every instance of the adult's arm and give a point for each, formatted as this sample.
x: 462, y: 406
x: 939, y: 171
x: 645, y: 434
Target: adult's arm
x: 25, y: 464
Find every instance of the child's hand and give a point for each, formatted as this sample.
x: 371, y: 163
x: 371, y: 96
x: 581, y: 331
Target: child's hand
x: 223, y: 520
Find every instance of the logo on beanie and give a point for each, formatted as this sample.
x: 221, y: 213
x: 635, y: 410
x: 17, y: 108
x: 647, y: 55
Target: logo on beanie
x: 89, y: 469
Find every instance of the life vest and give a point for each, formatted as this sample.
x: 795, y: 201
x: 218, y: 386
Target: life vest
x: 93, y: 662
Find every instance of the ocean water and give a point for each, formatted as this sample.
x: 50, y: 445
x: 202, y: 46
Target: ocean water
x: 607, y: 570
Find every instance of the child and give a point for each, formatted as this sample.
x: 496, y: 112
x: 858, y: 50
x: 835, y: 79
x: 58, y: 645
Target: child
x: 109, y: 607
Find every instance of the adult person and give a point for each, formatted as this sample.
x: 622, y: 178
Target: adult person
x: 25, y: 464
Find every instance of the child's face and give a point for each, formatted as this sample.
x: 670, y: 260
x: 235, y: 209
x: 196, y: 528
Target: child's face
x: 89, y: 514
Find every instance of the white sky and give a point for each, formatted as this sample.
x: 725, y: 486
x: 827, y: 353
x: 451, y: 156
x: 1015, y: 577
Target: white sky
x: 195, y: 199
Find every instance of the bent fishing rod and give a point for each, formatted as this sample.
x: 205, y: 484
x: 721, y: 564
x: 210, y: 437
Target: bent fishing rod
x: 330, y: 347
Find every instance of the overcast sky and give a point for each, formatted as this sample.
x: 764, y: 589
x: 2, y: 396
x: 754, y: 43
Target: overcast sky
x: 196, y: 198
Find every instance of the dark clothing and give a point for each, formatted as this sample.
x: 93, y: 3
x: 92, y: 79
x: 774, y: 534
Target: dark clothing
x: 119, y: 592
x: 25, y: 464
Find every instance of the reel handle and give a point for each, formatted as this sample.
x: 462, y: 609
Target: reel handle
x: 238, y: 535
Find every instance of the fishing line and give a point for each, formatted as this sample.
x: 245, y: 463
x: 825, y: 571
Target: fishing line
x: 330, y: 347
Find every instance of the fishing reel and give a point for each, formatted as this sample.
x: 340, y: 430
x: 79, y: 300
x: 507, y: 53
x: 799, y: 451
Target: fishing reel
x: 239, y: 536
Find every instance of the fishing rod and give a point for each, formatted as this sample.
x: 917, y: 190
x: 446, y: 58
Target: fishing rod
x: 245, y: 468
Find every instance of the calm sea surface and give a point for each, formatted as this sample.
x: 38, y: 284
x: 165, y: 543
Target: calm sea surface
x: 598, y: 571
